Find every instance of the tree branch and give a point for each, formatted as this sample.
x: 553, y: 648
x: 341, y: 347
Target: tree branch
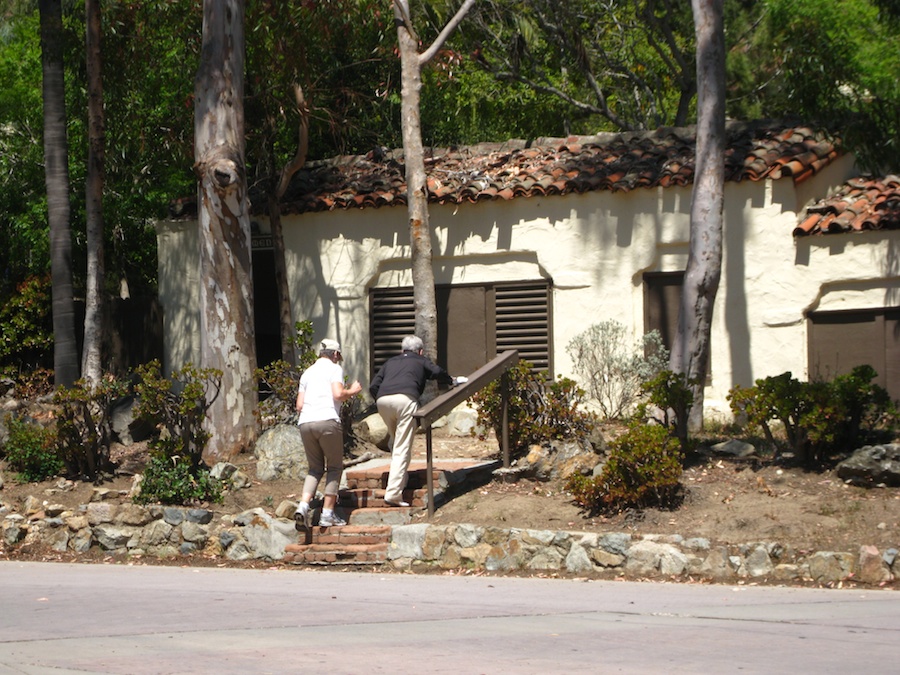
x: 302, y: 144
x: 439, y: 41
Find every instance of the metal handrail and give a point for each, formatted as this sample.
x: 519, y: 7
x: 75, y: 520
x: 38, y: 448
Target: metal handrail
x: 445, y: 402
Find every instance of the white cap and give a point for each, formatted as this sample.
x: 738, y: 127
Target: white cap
x: 333, y: 345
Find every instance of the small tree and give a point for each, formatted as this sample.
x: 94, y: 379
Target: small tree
x: 613, y: 371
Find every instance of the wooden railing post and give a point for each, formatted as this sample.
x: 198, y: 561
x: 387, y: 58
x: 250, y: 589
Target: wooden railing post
x: 444, y: 403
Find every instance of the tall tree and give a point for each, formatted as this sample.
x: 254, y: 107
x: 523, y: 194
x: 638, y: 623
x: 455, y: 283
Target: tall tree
x: 226, y: 293
x: 690, y: 349
x: 93, y: 309
x: 621, y: 64
x: 56, y: 157
x: 411, y: 62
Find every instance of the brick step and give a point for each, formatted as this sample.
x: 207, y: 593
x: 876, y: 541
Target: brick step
x: 361, y: 498
x: 374, y: 479
x: 329, y: 554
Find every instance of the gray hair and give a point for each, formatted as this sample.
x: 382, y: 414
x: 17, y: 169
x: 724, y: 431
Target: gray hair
x: 412, y: 343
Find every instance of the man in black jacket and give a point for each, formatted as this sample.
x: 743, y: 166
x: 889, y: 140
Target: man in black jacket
x: 396, y: 390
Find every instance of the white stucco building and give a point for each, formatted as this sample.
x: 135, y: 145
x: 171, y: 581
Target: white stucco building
x: 532, y: 244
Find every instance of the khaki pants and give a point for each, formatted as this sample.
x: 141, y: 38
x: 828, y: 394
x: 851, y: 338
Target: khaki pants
x: 397, y: 412
x: 324, y: 445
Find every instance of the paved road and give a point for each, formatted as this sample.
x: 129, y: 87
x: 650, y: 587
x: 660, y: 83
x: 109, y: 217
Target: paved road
x: 60, y: 619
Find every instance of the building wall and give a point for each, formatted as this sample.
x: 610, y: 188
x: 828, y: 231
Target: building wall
x: 595, y: 248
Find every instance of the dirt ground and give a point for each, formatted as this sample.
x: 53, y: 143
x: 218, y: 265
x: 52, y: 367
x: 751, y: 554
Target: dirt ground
x: 727, y: 501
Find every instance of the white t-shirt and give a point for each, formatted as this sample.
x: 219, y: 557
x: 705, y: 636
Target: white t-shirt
x: 318, y: 400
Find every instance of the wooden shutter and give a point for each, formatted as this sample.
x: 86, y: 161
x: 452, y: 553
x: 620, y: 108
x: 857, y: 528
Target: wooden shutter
x: 522, y: 315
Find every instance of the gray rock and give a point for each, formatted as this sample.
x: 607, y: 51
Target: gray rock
x: 407, y: 541
x: 125, y: 427
x: 829, y: 566
x: 195, y: 533
x: 201, y: 516
x: 468, y: 536
x: 757, y: 563
x: 280, y: 454
x: 173, y: 516
x: 223, y: 471
x: 872, y: 465
x: 112, y: 537
x: 265, y: 536
x: 578, y: 561
x: 734, y: 448
x: 157, y: 533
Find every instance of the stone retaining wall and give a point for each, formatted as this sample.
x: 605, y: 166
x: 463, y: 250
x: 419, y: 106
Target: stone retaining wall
x: 130, y: 529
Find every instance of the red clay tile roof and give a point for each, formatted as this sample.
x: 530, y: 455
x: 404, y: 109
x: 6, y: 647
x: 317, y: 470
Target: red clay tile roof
x: 615, y: 162
x: 859, y: 204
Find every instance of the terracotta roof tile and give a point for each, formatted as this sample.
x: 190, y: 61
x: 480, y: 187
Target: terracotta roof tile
x: 516, y: 169
x: 859, y: 204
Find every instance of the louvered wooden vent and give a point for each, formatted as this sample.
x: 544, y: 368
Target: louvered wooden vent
x: 518, y: 314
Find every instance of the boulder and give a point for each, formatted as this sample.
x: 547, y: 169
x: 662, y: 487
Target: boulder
x: 559, y: 459
x: 372, y: 429
x: 872, y: 465
x: 280, y: 454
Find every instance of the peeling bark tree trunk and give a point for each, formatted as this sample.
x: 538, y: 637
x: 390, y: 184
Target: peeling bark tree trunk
x: 421, y: 253
x: 226, y: 294
x: 56, y: 159
x: 690, y: 351
x: 91, y: 367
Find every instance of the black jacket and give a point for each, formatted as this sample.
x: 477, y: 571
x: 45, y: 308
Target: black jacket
x: 407, y: 373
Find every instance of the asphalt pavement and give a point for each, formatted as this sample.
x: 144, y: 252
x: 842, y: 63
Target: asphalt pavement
x: 136, y: 619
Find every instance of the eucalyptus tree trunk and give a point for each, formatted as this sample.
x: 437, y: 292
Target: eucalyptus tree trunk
x: 93, y: 313
x: 226, y: 293
x: 56, y: 158
x: 411, y: 62
x: 690, y: 351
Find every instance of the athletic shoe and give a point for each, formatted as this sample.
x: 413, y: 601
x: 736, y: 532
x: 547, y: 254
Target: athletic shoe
x: 401, y: 503
x: 331, y: 520
x: 303, y: 516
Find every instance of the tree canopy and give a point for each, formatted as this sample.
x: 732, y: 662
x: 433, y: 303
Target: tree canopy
x: 516, y: 69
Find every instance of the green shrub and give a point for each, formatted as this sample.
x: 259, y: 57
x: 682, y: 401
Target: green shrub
x: 819, y: 418
x: 177, y: 474
x: 279, y: 380
x: 613, y: 371
x: 84, y: 426
x: 644, y: 469
x: 26, y: 327
x: 538, y: 411
x: 30, y: 451
x: 670, y: 393
x: 170, y: 480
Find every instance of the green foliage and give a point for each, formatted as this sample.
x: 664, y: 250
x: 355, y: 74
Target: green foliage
x: 670, y: 393
x: 84, y: 426
x: 178, y: 406
x: 644, y: 469
x: 804, y: 58
x: 819, y: 419
x: 26, y: 327
x: 171, y: 480
x: 279, y: 380
x: 30, y: 451
x: 538, y: 410
x: 613, y: 370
